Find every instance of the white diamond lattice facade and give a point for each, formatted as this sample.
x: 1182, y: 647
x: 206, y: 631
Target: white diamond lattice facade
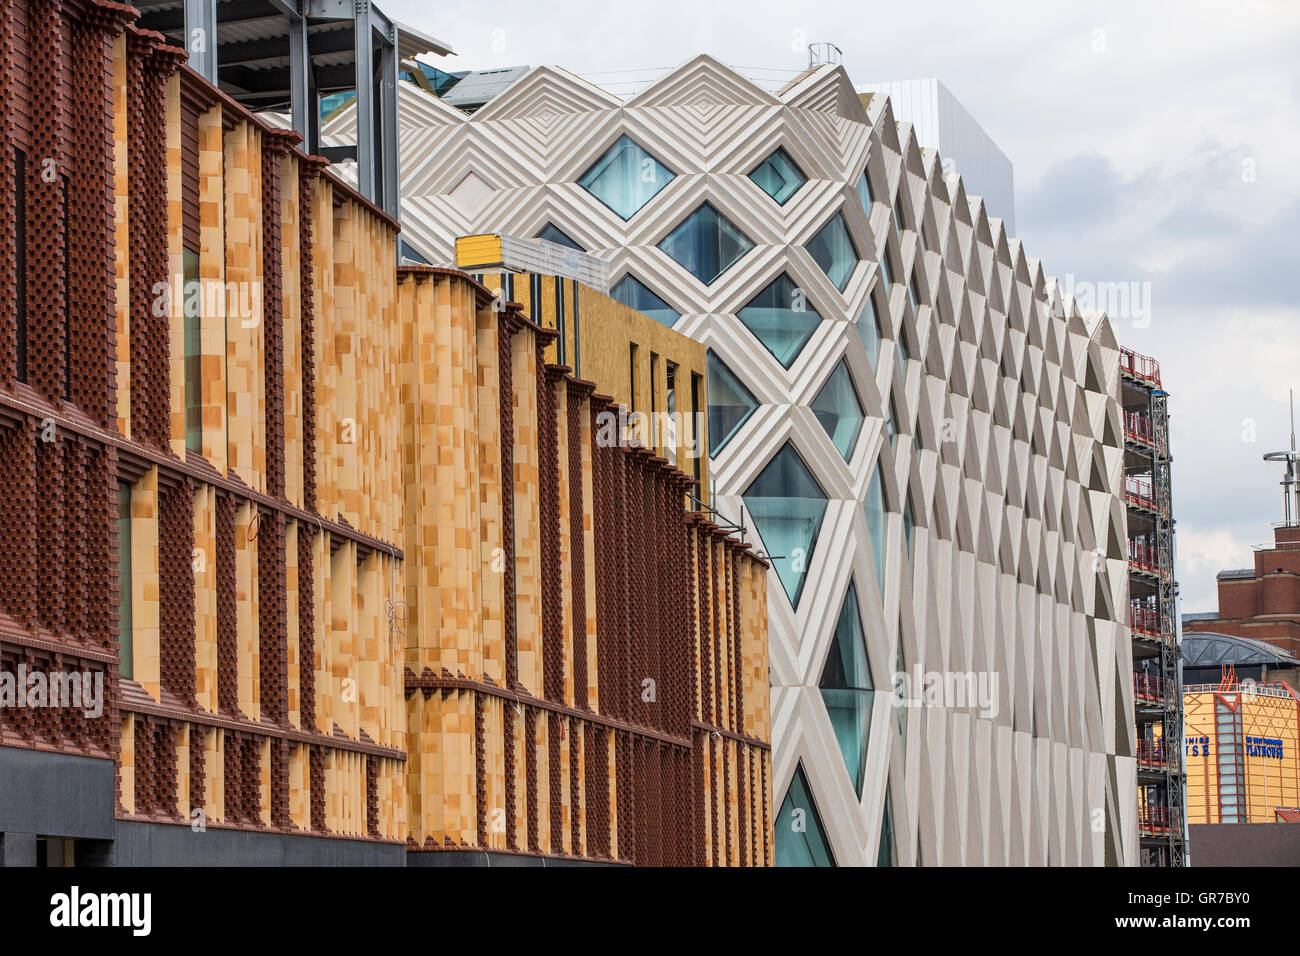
x: 919, y: 430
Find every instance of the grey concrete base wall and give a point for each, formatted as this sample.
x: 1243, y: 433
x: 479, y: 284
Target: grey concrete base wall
x: 1244, y: 844
x: 56, y: 794
x: 51, y: 794
x: 163, y: 844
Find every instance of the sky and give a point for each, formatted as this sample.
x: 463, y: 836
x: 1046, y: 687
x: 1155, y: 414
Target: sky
x: 1152, y: 143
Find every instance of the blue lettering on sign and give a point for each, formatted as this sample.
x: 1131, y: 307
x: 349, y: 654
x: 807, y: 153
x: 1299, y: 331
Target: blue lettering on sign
x: 1264, y: 747
x: 1198, y: 746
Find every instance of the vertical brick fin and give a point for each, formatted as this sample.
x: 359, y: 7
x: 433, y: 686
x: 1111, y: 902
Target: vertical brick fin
x: 149, y: 65
x: 101, y: 546
x: 93, y: 368
x: 600, y: 541
x: 8, y: 212
x: 577, y: 543
x: 165, y: 776
x: 280, y: 784
x: 78, y: 528
x: 512, y: 772
x: 597, y: 791
x: 576, y: 797
x: 530, y: 764
x: 505, y: 330
x: 738, y: 642
x: 145, y: 802
x: 198, y: 797
x: 176, y: 590
x: 306, y: 629
x: 549, y: 533
x: 372, y: 795
x: 627, y: 810
x: 274, y: 148
x: 317, y: 773
x: 227, y: 624
x: 309, y: 171
x: 50, y: 515
x: 250, y: 769
x: 272, y: 619
x: 230, y: 778
x: 47, y: 305
x: 555, y: 724
x: 480, y: 775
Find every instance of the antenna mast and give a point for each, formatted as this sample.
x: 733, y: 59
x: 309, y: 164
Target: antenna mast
x: 1290, y: 483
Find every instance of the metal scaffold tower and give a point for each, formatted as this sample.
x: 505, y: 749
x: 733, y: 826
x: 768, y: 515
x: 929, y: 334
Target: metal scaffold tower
x: 1167, y: 602
x: 1153, y: 614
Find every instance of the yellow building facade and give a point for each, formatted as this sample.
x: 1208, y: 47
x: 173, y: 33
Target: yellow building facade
x: 1241, y: 751
x: 656, y: 374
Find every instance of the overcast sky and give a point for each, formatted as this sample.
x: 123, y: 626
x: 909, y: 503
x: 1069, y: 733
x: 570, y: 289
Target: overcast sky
x: 1152, y: 142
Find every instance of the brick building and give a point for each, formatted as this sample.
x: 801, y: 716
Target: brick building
x: 242, y: 458
x: 1262, y: 602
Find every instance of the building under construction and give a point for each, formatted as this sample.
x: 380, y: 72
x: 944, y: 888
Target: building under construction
x: 1157, y: 698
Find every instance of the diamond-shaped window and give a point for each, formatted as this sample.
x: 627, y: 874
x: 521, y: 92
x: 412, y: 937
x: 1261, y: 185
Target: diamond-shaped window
x: 553, y: 233
x: 847, y: 690
x: 626, y: 177
x: 909, y: 526
x: 730, y: 402
x: 865, y: 196
x: 874, y: 509
x: 833, y: 250
x: 781, y: 318
x: 800, y: 840
x: 787, y: 506
x: 886, y: 855
x: 869, y: 331
x: 778, y: 176
x: 706, y: 244
x: 634, y: 294
x: 839, y: 410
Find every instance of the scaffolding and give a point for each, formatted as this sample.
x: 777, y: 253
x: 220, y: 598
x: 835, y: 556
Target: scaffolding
x: 1153, y: 614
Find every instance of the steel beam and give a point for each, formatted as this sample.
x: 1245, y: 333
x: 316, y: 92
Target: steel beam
x: 364, y: 45
x: 200, y: 25
x: 299, y: 77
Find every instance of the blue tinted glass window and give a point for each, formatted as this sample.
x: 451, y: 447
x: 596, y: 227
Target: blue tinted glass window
x: 869, y: 331
x: 800, y: 840
x: 778, y: 176
x: 730, y: 403
x: 865, y: 195
x: 886, y: 271
x: 885, y: 856
x: 909, y: 526
x: 634, y: 294
x: 874, y: 509
x: 706, y: 244
x: 553, y: 233
x: 787, y: 506
x: 781, y: 318
x: 833, y: 250
x: 625, y: 178
x: 839, y: 410
x: 847, y: 689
